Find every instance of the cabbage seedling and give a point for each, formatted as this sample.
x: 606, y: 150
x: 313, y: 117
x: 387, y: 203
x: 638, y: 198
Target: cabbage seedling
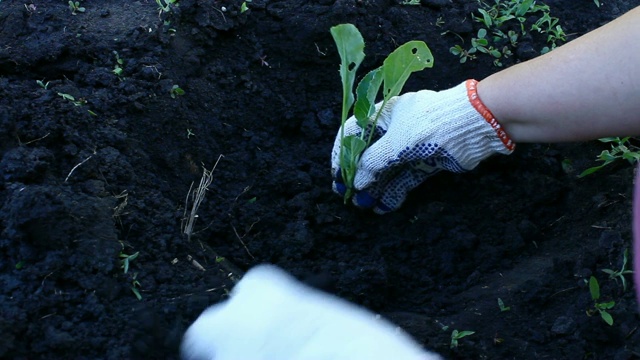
x: 390, y: 76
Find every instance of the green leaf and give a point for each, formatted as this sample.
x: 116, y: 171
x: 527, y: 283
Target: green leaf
x: 366, y: 93
x: 590, y: 171
x: 464, y: 333
x: 524, y: 7
x: 608, y: 305
x: 408, y: 58
x: 350, y: 46
x: 606, y: 317
x: 486, y: 18
x: 353, y: 147
x: 594, y: 288
x: 495, y: 53
x: 611, y: 139
x: 135, y: 292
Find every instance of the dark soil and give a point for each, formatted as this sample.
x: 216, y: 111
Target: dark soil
x: 85, y: 184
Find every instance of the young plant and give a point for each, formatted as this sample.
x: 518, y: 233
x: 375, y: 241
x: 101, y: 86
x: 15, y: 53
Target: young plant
x: 76, y: 102
x: 164, y: 6
x: 457, y: 335
x: 594, y: 289
x: 463, y: 53
x: 75, y: 7
x: 43, y: 84
x: 135, y: 285
x: 244, y: 6
x: 621, y: 149
x: 615, y: 275
x: 502, y: 307
x: 390, y: 76
x: 125, y: 260
x: 176, y: 91
x: 502, y: 15
x: 117, y: 69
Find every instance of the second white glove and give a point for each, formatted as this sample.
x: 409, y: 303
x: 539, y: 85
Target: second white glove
x: 271, y: 316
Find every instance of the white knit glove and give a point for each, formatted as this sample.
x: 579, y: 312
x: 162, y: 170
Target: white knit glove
x: 420, y: 134
x: 271, y: 316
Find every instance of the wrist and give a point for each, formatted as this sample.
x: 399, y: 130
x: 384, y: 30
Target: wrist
x: 487, y: 115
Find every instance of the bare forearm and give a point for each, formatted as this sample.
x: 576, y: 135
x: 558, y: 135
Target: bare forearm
x: 586, y: 89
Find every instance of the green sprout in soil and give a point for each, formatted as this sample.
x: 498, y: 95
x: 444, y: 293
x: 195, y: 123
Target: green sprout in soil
x: 411, y: 2
x: 619, y: 274
x: 125, y: 263
x: 457, y: 335
x: 42, y: 84
x: 621, y: 149
x: 496, y: 38
x: 391, y: 76
x: 73, y: 100
x: 599, y: 307
x: 164, y: 6
x: 502, y: 307
x: 135, y: 286
x: 125, y: 260
x: 176, y: 91
x: 244, y: 6
x: 75, y: 7
x: 117, y: 69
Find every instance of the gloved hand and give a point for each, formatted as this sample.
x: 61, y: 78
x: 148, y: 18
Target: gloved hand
x: 421, y: 133
x: 271, y: 316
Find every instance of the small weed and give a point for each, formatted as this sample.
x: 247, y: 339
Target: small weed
x: 125, y: 260
x: 176, y: 91
x: 479, y: 44
x: 621, y: 149
x: 463, y: 53
x: 244, y: 6
x: 594, y: 289
x: 164, y: 6
x: 78, y: 102
x: 135, y: 286
x: 502, y: 307
x: 125, y: 263
x: 75, y: 7
x: 496, y: 17
x: 410, y: 2
x: 117, y: 69
x: 615, y: 275
x: 457, y: 335
x: 42, y: 84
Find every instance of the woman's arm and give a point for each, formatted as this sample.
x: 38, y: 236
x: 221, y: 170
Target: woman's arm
x: 586, y: 89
